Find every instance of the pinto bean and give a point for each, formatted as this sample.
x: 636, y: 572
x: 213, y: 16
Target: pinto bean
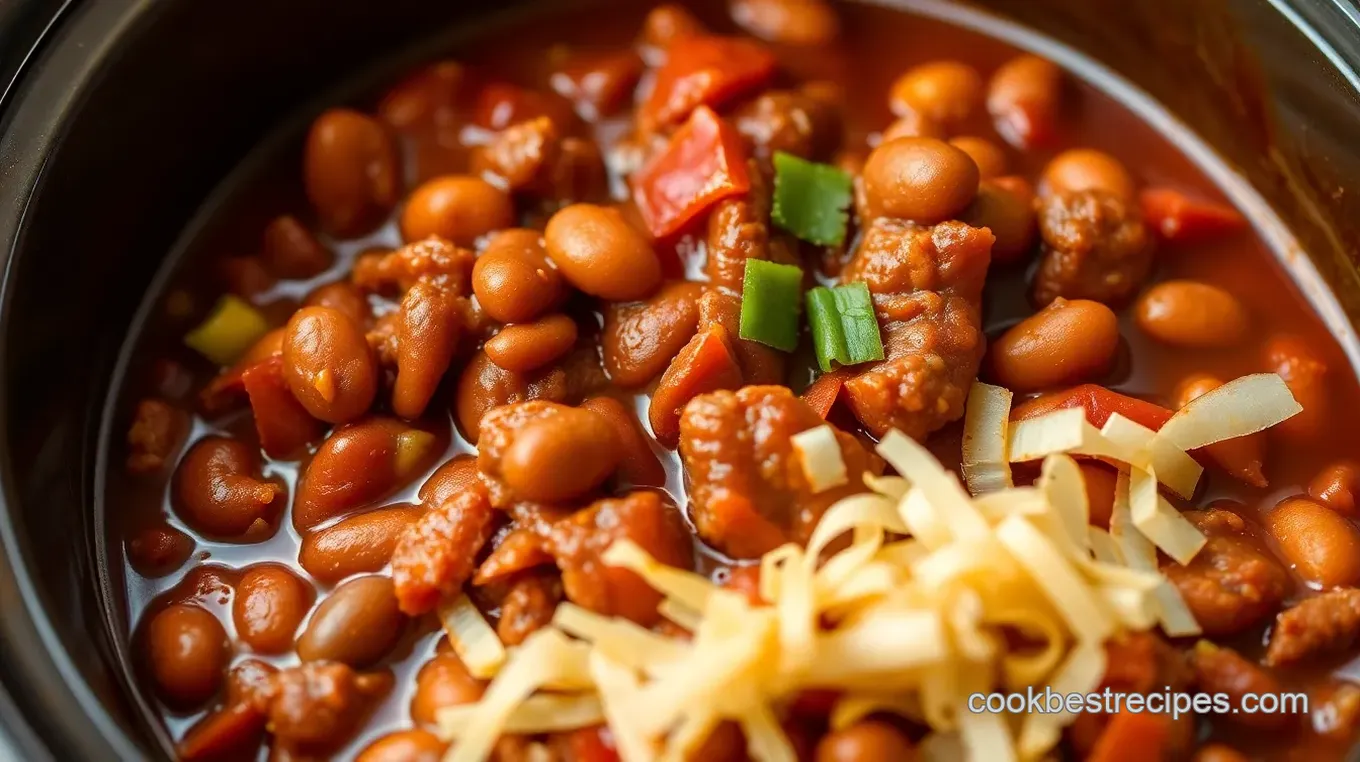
x: 485, y: 385
x: 640, y: 339
x: 1099, y: 481
x: 1305, y: 372
x: 343, y: 297
x: 218, y: 491
x: 232, y: 732
x: 1024, y: 98
x: 946, y: 92
x: 269, y: 605
x: 157, y: 550
x: 404, y: 746
x: 1191, y: 314
x: 328, y: 364
x: 1084, y: 169
x: 1336, y: 487
x: 357, y: 624
x: 187, y: 652
x: 598, y: 252
x: 425, y: 99
x: 361, y: 463
x: 790, y: 22
x: 1323, y: 546
x: 528, y: 346
x: 443, y: 681
x: 923, y: 180
x: 430, y: 321
x: 459, y: 208
x: 1005, y: 206
x: 546, y: 452
x: 291, y: 251
x: 1067, y: 342
x: 513, y: 278
x: 350, y: 171
x: 458, y: 474
x: 1219, y: 669
x: 639, y: 464
x: 359, y: 544
x: 866, y: 741
x: 989, y: 157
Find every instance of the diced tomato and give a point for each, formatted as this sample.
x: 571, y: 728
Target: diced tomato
x: 1242, y: 458
x: 1134, y: 737
x: 500, y: 105
x: 704, y: 163
x: 1179, y: 218
x: 284, y: 425
x: 593, y: 744
x: 599, y: 85
x: 822, y: 394
x: 705, y: 364
x: 705, y: 71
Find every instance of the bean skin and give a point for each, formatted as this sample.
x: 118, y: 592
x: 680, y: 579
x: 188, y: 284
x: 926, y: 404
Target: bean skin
x: 356, y: 624
x: 989, y: 157
x: 866, y: 741
x: 1190, y: 314
x: 1083, y: 169
x: 361, y: 463
x: 1005, y: 206
x: 459, y: 208
x: 359, y: 544
x: 269, y: 605
x: 157, y: 550
x: 1336, y: 487
x: 404, y: 746
x: 291, y: 251
x: 342, y: 296
x: 350, y: 171
x: 1024, y: 97
x: 328, y: 364
x: 513, y: 279
x: 640, y: 339
x: 429, y: 323
x: 187, y: 651
x: 485, y: 385
x: 453, y: 477
x: 598, y: 252
x: 639, y: 465
x: 218, y: 491
x: 528, y: 346
x: 1323, y: 547
x: 1067, y: 342
x: 547, y: 452
x: 946, y: 92
x: 923, y: 180
x: 443, y: 681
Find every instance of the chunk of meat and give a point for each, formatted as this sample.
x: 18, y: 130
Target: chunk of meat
x: 433, y: 257
x: 1336, y: 710
x: 158, y: 429
x: 438, y: 553
x: 1219, y: 669
x: 515, y: 158
x: 748, y: 490
x: 579, y: 541
x: 528, y: 606
x: 926, y: 284
x: 1232, y: 583
x: 316, y: 706
x: 1137, y: 662
x: 1325, y: 624
x: 544, y: 451
x: 798, y: 122
x: 1095, y: 246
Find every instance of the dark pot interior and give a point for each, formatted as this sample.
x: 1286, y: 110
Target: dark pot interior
x: 132, y: 111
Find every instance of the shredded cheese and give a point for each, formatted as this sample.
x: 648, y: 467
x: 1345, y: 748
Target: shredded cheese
x: 820, y: 456
x: 986, y: 422
x: 472, y: 638
x: 1238, y: 408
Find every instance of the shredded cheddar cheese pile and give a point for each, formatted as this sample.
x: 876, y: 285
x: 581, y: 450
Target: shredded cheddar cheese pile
x: 910, y: 616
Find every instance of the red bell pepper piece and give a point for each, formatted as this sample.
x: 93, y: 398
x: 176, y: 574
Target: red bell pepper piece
x: 1134, y: 737
x: 1181, y: 219
x: 705, y: 71
x: 822, y: 394
x: 500, y: 105
x: 704, y: 163
x: 284, y: 425
x: 704, y: 365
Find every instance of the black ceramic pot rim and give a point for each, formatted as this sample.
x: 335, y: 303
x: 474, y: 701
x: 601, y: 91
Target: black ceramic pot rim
x: 48, y: 708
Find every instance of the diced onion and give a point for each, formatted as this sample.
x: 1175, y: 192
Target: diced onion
x: 986, y: 423
x: 926, y: 474
x: 1159, y: 521
x: 1085, y: 617
x: 472, y: 637
x: 542, y: 713
x: 820, y: 455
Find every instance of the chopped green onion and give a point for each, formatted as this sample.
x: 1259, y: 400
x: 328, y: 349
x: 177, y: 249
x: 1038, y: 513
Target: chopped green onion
x: 770, y: 302
x: 811, y: 199
x: 844, y: 328
x: 228, y: 331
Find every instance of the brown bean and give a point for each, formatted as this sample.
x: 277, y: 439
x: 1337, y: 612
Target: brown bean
x: 1218, y: 752
x: 218, y: 490
x: 460, y: 208
x: 1024, y: 97
x: 598, y: 252
x: 328, y: 364
x: 1305, y: 372
x: 361, y: 463
x: 269, y: 605
x: 919, y: 179
x: 341, y: 296
x: 357, y: 624
x: 187, y: 652
x: 1081, y: 169
x: 913, y: 125
x: 451, y: 478
x: 667, y: 23
x: 528, y: 346
x: 946, y: 92
x: 425, y: 99
x: 430, y: 322
x: 1323, y: 547
x: 1336, y: 487
x: 404, y: 746
x: 157, y: 550
x: 866, y: 741
x: 562, y: 457
x: 485, y: 385
x: 789, y: 22
x: 639, y: 465
x: 359, y: 544
x: 640, y: 339
x: 989, y: 157
x: 1067, y: 342
x: 351, y: 172
x: 291, y: 251
x: 232, y: 732
x: 1187, y: 313
x: 1099, y: 481
x: 443, y: 681
x: 1005, y: 206
x: 513, y: 279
